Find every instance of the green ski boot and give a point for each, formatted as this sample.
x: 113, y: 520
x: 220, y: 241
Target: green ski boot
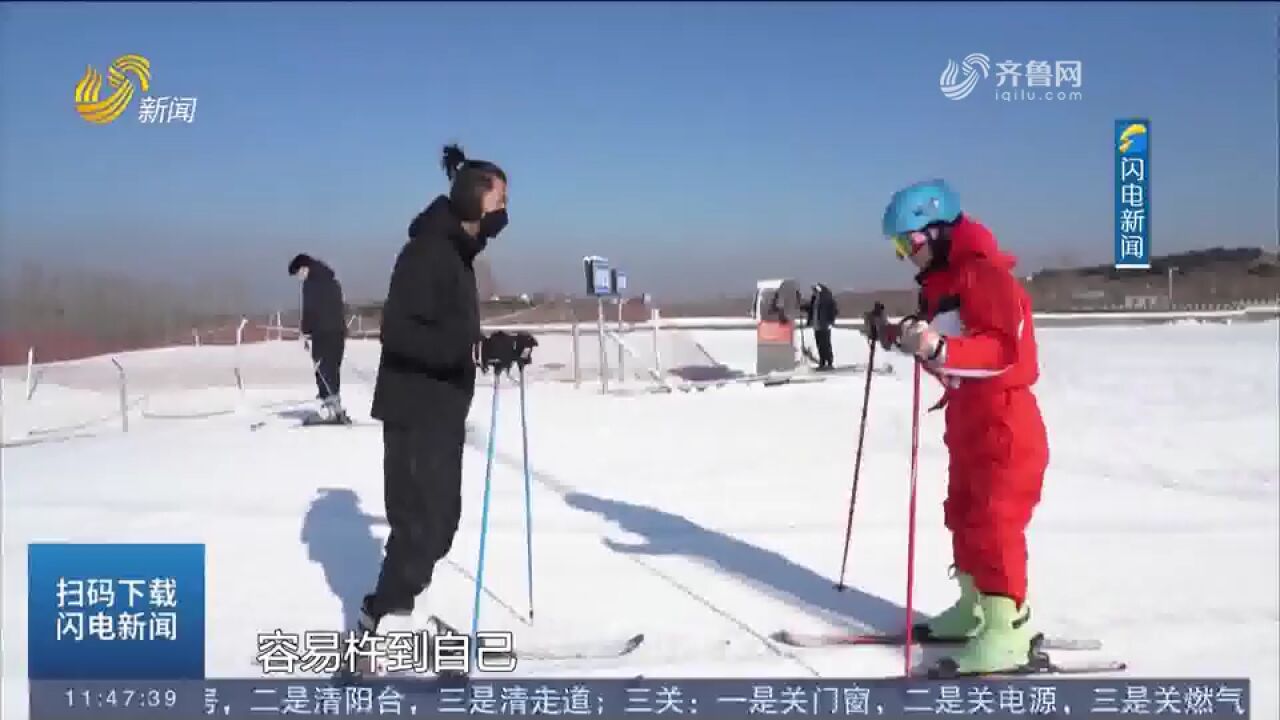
x: 963, y: 619
x: 1004, y: 642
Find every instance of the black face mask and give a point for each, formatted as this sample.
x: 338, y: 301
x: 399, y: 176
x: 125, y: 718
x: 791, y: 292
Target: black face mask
x: 492, y: 224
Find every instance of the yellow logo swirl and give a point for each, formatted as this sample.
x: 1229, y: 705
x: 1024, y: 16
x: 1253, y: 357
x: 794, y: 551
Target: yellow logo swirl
x: 102, y: 112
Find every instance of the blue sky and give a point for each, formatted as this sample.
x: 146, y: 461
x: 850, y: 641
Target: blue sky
x: 700, y: 146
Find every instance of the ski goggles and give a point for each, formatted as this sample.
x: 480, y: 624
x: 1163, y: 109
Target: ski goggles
x: 907, y: 244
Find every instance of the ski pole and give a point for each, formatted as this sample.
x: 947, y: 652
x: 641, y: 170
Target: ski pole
x: 528, y: 502
x: 327, y: 387
x: 484, y: 507
x: 911, y: 513
x: 857, y: 463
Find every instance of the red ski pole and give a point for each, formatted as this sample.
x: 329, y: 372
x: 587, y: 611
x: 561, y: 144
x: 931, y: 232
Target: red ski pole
x: 857, y: 464
x: 911, y: 513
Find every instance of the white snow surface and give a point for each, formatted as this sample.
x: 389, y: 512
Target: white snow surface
x: 705, y: 520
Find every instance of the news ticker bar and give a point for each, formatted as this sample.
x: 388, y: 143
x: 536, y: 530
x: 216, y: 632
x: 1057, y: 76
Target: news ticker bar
x: 1041, y: 696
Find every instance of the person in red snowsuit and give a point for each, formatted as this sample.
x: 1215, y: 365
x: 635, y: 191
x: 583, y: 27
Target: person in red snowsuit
x: 974, y: 332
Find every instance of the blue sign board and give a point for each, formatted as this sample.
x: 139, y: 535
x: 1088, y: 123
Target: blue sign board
x: 1132, y: 151
x: 115, y: 611
x: 599, y: 276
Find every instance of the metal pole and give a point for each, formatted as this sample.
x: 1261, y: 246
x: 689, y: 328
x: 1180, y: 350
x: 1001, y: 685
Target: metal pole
x: 657, y: 354
x: 1171, y: 269
x: 604, y: 356
x: 622, y: 375
x: 31, y: 361
x: 239, y: 368
x: 577, y: 352
x: 124, y: 396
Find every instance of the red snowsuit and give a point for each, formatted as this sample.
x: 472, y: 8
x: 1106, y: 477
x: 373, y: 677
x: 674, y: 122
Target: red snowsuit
x: 994, y: 432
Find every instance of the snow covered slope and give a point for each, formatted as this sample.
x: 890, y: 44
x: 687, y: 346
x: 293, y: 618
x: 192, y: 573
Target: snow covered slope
x: 709, y: 520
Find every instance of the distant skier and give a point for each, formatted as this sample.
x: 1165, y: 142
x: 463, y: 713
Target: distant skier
x: 975, y: 334
x: 822, y: 311
x: 431, y: 348
x: 324, y: 324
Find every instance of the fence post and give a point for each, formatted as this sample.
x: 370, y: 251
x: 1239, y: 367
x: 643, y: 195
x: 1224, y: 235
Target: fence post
x: 240, y: 341
x: 124, y: 396
x: 31, y: 362
x: 655, y: 319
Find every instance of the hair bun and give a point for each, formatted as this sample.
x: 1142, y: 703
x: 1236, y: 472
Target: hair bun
x: 453, y: 160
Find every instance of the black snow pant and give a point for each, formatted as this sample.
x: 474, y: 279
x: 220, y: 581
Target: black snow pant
x: 327, y: 350
x: 422, y: 476
x: 822, y: 336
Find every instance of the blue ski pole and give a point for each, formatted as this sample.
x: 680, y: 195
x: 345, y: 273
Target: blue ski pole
x: 528, y: 502
x: 484, y: 508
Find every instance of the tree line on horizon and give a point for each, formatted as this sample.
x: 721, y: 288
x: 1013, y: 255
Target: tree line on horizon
x: 96, y: 308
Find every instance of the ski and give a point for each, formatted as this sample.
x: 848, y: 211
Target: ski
x: 1039, y: 664
x: 920, y: 636
x: 584, y: 651
x: 589, y: 650
x: 857, y: 368
x: 306, y: 423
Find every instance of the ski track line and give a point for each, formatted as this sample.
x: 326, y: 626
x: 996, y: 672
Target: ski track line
x: 764, y: 640
x: 562, y: 490
x: 471, y: 578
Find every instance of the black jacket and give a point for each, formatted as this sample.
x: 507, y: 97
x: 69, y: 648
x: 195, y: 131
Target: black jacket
x: 323, y: 310
x: 430, y: 323
x: 822, y: 310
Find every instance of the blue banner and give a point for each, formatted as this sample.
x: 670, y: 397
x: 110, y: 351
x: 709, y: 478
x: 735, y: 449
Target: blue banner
x: 1044, y: 696
x: 1132, y: 151
x: 115, y: 612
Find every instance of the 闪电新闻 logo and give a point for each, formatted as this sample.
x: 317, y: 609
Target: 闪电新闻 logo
x: 1133, y: 140
x: 122, y: 74
x: 956, y: 87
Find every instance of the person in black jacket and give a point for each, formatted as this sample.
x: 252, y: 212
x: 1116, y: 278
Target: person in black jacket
x: 325, y: 326
x: 822, y: 312
x: 431, y: 348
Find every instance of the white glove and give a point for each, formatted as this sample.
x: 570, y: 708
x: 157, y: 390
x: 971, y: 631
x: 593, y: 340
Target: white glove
x: 919, y: 339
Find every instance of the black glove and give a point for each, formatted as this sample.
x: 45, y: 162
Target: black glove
x: 501, y: 350
x: 877, y: 328
x: 524, y: 345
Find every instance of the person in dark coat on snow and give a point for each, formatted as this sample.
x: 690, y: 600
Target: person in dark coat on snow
x: 822, y: 312
x: 432, y: 347
x: 325, y: 326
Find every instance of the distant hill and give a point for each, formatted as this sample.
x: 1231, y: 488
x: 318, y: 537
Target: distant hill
x: 1253, y: 261
x: 1212, y: 276
x: 1200, y: 277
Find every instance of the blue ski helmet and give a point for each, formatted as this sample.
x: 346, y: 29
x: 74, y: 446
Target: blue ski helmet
x: 916, y: 206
